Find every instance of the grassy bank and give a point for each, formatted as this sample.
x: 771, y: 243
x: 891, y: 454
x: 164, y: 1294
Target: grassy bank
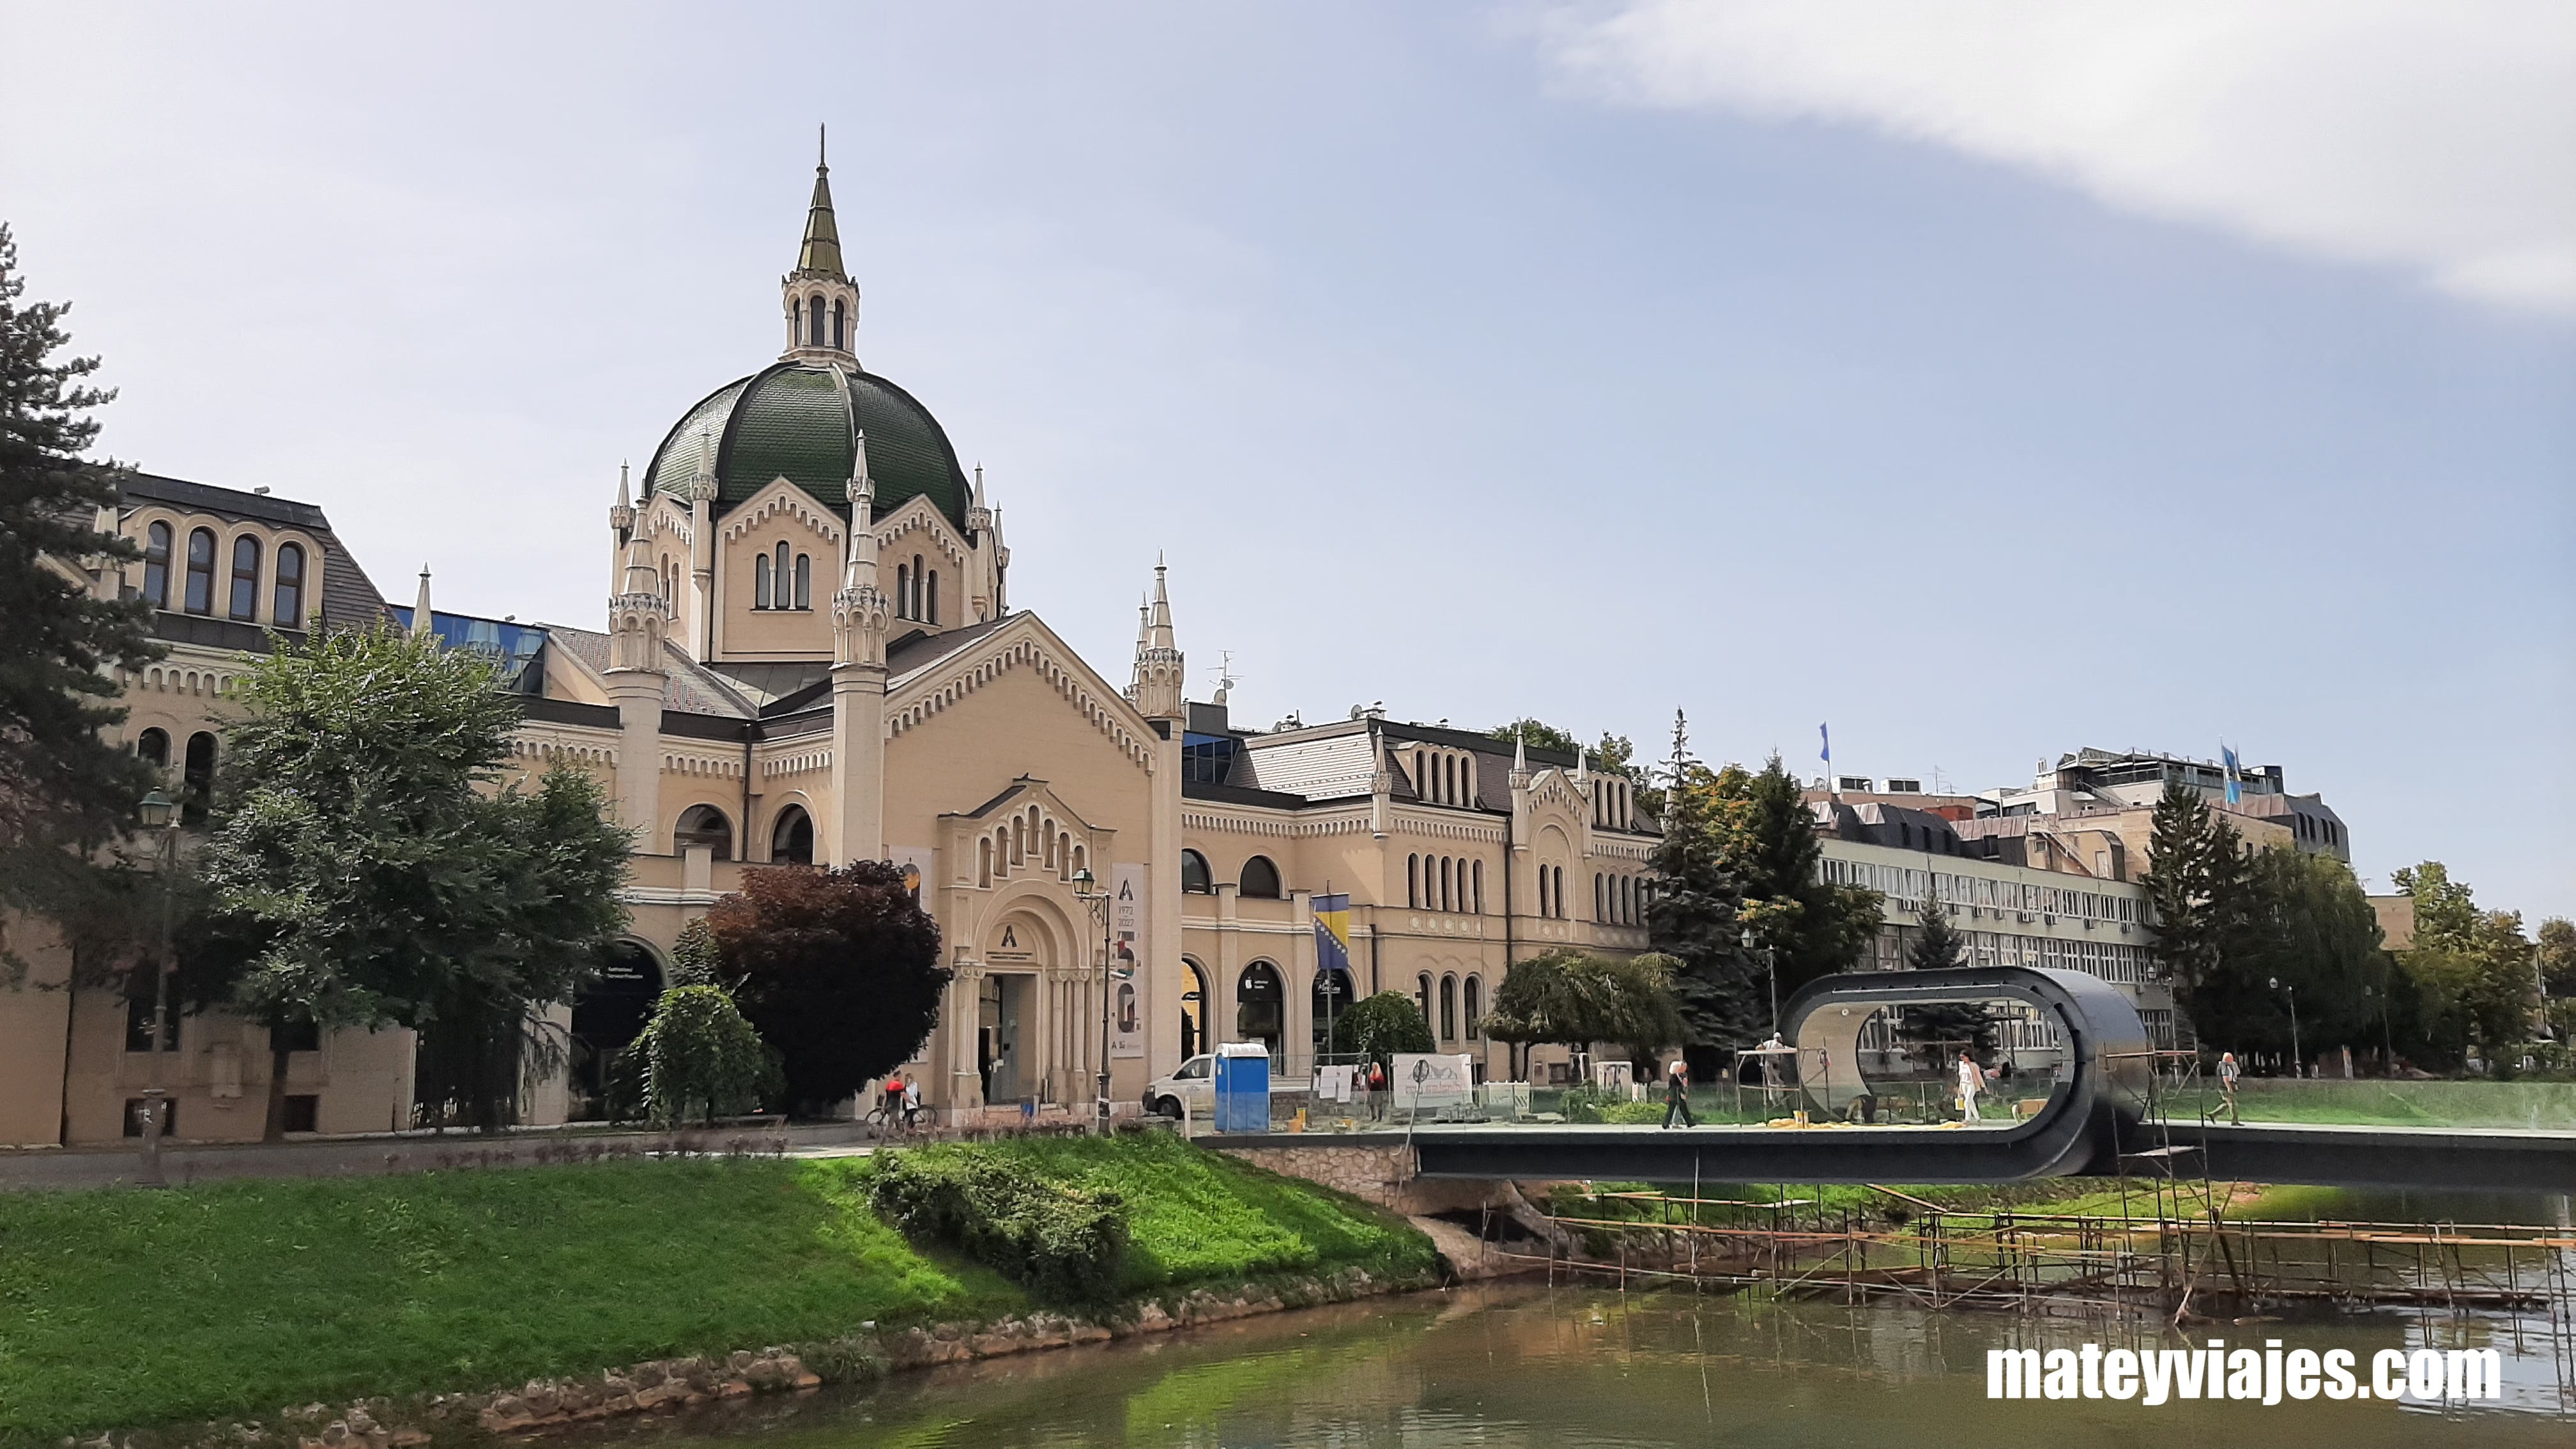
x: 120, y: 1308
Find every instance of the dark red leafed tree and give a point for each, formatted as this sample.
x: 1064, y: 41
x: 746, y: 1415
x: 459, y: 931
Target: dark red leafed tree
x: 837, y: 967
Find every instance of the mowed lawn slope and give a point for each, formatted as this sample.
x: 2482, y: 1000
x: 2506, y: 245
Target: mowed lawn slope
x: 121, y: 1309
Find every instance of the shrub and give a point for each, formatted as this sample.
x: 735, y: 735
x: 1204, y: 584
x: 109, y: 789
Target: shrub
x: 1063, y: 1244
x: 1380, y: 1026
x: 700, y: 1055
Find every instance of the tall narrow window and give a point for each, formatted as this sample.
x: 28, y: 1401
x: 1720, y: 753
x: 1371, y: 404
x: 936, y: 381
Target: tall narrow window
x: 197, y: 780
x: 804, y: 581
x: 1448, y: 1008
x: 1479, y: 906
x: 156, y: 565
x: 902, y: 589
x: 1474, y: 991
x: 760, y: 581
x: 1413, y: 881
x: 778, y: 571
x: 930, y: 599
x: 1447, y: 900
x: 837, y: 320
x: 814, y: 322
x: 289, y: 603
x: 201, y: 572
x: 916, y: 587
x: 1559, y: 890
x: 245, y: 590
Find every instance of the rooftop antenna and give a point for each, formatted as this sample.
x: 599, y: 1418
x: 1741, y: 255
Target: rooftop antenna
x: 1225, y: 680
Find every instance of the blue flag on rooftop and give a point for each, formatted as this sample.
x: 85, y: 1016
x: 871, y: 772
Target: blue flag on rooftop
x: 1827, y: 736
x: 2235, y: 787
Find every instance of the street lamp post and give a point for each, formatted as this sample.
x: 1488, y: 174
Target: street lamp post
x: 2298, y: 1062
x: 1771, y: 964
x: 160, y: 814
x: 1098, y: 901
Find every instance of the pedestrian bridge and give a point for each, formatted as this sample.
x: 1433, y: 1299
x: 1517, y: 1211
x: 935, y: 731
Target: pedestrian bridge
x: 2096, y: 1118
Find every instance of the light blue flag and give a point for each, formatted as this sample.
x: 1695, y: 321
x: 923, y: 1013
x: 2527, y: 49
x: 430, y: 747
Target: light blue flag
x: 2235, y: 789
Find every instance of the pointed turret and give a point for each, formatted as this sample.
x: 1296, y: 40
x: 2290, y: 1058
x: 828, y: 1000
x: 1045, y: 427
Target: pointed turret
x: 821, y: 251
x: 420, y: 622
x: 1520, y: 762
x: 822, y: 302
x: 621, y: 514
x: 639, y: 617
x: 1157, y: 686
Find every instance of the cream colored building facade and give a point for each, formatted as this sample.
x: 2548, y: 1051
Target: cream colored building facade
x: 811, y: 655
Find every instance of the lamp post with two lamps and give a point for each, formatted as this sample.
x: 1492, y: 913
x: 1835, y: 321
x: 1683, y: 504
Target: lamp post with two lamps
x: 161, y: 814
x: 1085, y: 890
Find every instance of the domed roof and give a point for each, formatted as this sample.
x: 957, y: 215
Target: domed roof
x: 800, y: 421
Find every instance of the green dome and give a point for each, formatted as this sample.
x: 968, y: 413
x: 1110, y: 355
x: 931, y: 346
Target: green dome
x: 796, y: 421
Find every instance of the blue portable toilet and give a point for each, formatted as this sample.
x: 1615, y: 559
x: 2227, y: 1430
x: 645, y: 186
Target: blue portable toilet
x: 1242, y: 1087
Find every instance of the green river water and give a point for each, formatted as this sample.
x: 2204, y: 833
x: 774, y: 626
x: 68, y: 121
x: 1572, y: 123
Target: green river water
x: 1523, y: 1364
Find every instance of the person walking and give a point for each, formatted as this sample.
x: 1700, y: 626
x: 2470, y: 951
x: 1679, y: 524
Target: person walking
x: 911, y: 1102
x: 1677, y: 1094
x: 2228, y: 1072
x: 1971, y: 1080
x: 1377, y: 1091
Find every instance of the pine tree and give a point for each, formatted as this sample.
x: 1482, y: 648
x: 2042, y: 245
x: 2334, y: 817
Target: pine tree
x: 2177, y: 883
x: 1938, y: 1030
x: 65, y: 789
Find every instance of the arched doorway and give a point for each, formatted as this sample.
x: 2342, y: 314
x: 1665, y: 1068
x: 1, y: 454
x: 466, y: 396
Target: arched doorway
x: 607, y: 1016
x: 1261, y: 1006
x: 1012, y: 1058
x: 705, y: 825
x: 1194, y: 1007
x: 1332, y: 1001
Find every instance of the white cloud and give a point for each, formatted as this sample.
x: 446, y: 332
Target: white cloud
x: 2437, y: 135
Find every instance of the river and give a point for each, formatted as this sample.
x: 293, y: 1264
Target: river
x: 1520, y: 1364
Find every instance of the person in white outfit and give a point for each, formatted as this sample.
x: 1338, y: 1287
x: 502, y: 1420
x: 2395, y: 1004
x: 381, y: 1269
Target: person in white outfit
x: 1970, y: 1079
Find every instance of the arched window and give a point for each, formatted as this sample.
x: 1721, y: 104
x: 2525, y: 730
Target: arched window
x: 287, y: 608
x: 916, y: 588
x: 839, y: 331
x: 1447, y: 900
x: 902, y: 590
x: 930, y: 599
x: 1422, y: 998
x: 1260, y: 879
x: 804, y: 581
x: 1480, y: 887
x: 760, y: 581
x: 1330, y: 1000
x: 1474, y: 992
x: 1195, y: 879
x: 1600, y: 896
x: 1449, y: 780
x: 156, y: 565
x: 984, y: 861
x: 1448, y: 1008
x: 779, y: 573
x: 1261, y: 1006
x: 814, y: 320
x: 704, y: 825
x: 791, y: 840
x: 1559, y: 890
x: 197, y: 781
x: 200, y: 597
x: 1413, y: 881
x: 244, y: 603
x: 152, y: 747
x: 1194, y: 1005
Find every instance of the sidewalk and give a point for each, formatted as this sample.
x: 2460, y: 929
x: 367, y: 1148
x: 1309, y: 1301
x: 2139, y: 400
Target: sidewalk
x: 382, y: 1153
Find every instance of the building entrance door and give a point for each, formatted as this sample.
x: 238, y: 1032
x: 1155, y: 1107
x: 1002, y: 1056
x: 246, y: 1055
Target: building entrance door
x: 1007, y: 1046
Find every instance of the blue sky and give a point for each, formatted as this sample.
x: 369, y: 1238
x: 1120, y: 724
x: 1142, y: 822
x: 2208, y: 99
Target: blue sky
x: 1990, y: 382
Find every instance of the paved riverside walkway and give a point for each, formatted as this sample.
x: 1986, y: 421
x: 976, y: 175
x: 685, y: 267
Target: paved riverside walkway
x: 377, y: 1154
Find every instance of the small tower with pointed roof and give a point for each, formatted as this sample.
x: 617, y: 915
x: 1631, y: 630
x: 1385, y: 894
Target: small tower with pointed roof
x: 639, y: 619
x: 862, y: 615
x: 1156, y: 687
x: 821, y: 302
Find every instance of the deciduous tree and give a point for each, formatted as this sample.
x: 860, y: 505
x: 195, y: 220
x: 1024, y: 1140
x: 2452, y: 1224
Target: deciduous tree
x: 700, y: 1056
x: 839, y: 970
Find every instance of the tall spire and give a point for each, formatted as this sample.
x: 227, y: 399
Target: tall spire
x: 1161, y: 616
x: 421, y: 626
x: 822, y: 249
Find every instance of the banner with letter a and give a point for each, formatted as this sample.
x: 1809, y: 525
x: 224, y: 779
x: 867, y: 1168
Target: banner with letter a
x: 1127, y: 958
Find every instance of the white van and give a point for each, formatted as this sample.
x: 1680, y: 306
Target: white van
x: 1193, y: 1084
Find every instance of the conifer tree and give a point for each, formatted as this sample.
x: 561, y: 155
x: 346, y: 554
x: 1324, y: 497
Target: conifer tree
x: 65, y: 789
x: 1937, y: 1030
